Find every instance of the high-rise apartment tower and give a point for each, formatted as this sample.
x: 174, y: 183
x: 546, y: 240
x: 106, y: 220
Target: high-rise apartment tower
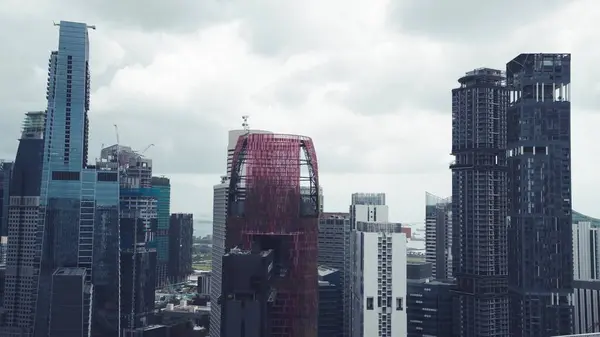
x: 479, y: 204
x: 540, y: 257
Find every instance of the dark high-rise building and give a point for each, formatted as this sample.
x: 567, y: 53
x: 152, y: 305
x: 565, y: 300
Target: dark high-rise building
x: 438, y: 235
x: 5, y: 175
x: 66, y: 316
x: 266, y: 199
x: 78, y: 223
x: 479, y: 204
x: 331, y: 314
x: 181, y: 240
x: 248, y: 294
x: 161, y: 188
x: 23, y: 208
x: 539, y: 195
x: 334, y: 251
x: 429, y: 308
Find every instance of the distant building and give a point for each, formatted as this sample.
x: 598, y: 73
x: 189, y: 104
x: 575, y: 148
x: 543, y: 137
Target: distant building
x: 335, y: 251
x: 331, y: 317
x: 438, y: 235
x: 379, y: 280
x: 586, y: 300
x: 181, y: 241
x: 5, y: 175
x: 161, y: 190
x: 418, y: 270
x: 204, y: 280
x: 429, y: 308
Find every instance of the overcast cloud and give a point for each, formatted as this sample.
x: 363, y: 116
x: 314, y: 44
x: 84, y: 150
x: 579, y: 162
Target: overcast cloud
x: 368, y: 80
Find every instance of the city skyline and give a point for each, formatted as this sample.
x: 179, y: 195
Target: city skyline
x: 260, y: 74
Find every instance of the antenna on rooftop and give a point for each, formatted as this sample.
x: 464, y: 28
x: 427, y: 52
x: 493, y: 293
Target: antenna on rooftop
x: 245, y: 124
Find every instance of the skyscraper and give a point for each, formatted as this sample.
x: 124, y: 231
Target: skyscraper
x: 5, y: 175
x: 220, y: 201
x: 137, y: 227
x: 267, y: 208
x: 78, y: 204
x: 539, y: 195
x: 161, y: 188
x: 23, y: 208
x: 479, y: 204
x: 438, y: 235
x: 335, y: 252
x: 181, y: 240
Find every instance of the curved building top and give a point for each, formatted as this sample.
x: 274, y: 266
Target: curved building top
x: 578, y: 217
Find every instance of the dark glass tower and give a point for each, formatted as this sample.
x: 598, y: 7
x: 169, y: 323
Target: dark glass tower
x: 161, y: 188
x: 479, y: 204
x: 23, y: 207
x: 539, y: 197
x: 181, y: 240
x: 78, y: 204
x: 5, y: 175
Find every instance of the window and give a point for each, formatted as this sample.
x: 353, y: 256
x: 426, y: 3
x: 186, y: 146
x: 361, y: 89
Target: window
x: 399, y: 304
x: 369, y: 303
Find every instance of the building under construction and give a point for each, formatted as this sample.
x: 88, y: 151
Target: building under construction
x: 273, y: 204
x: 479, y: 204
x: 137, y: 225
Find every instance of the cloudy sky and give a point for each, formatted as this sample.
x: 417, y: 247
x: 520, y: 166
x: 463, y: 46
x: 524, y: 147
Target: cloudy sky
x: 368, y: 80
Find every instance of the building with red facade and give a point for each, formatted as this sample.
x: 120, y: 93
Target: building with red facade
x: 273, y: 204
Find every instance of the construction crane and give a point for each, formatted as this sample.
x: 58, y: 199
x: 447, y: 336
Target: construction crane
x: 146, y: 149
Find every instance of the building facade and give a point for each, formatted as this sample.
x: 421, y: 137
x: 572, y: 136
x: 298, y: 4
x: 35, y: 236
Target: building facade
x: 586, y: 248
x: 479, y: 204
x: 379, y: 280
x: 438, y: 235
x: 267, y: 203
x: 335, y: 252
x: 586, y: 301
x: 5, y: 175
x: 22, y: 220
x: 181, y: 240
x: 331, y: 314
x: 220, y: 200
x: 539, y: 195
x: 161, y: 188
x: 429, y: 308
x: 248, y: 296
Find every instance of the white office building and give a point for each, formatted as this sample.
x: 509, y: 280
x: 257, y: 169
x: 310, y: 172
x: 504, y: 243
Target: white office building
x: 379, y: 279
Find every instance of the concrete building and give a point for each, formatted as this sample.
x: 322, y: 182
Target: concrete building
x: 438, y: 235
x: 335, y: 252
x: 586, y: 247
x: 379, y: 280
x: 479, y: 204
x: 538, y: 153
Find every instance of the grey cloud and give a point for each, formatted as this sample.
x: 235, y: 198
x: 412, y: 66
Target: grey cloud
x: 467, y: 21
x: 151, y: 15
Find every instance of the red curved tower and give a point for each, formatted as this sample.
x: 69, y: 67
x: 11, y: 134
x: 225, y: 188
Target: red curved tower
x: 274, y: 203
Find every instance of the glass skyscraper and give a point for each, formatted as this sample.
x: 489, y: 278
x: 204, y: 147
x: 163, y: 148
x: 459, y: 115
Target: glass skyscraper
x: 22, y: 211
x: 78, y: 204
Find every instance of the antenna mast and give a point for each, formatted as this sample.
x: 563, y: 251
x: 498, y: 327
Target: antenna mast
x: 245, y: 124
